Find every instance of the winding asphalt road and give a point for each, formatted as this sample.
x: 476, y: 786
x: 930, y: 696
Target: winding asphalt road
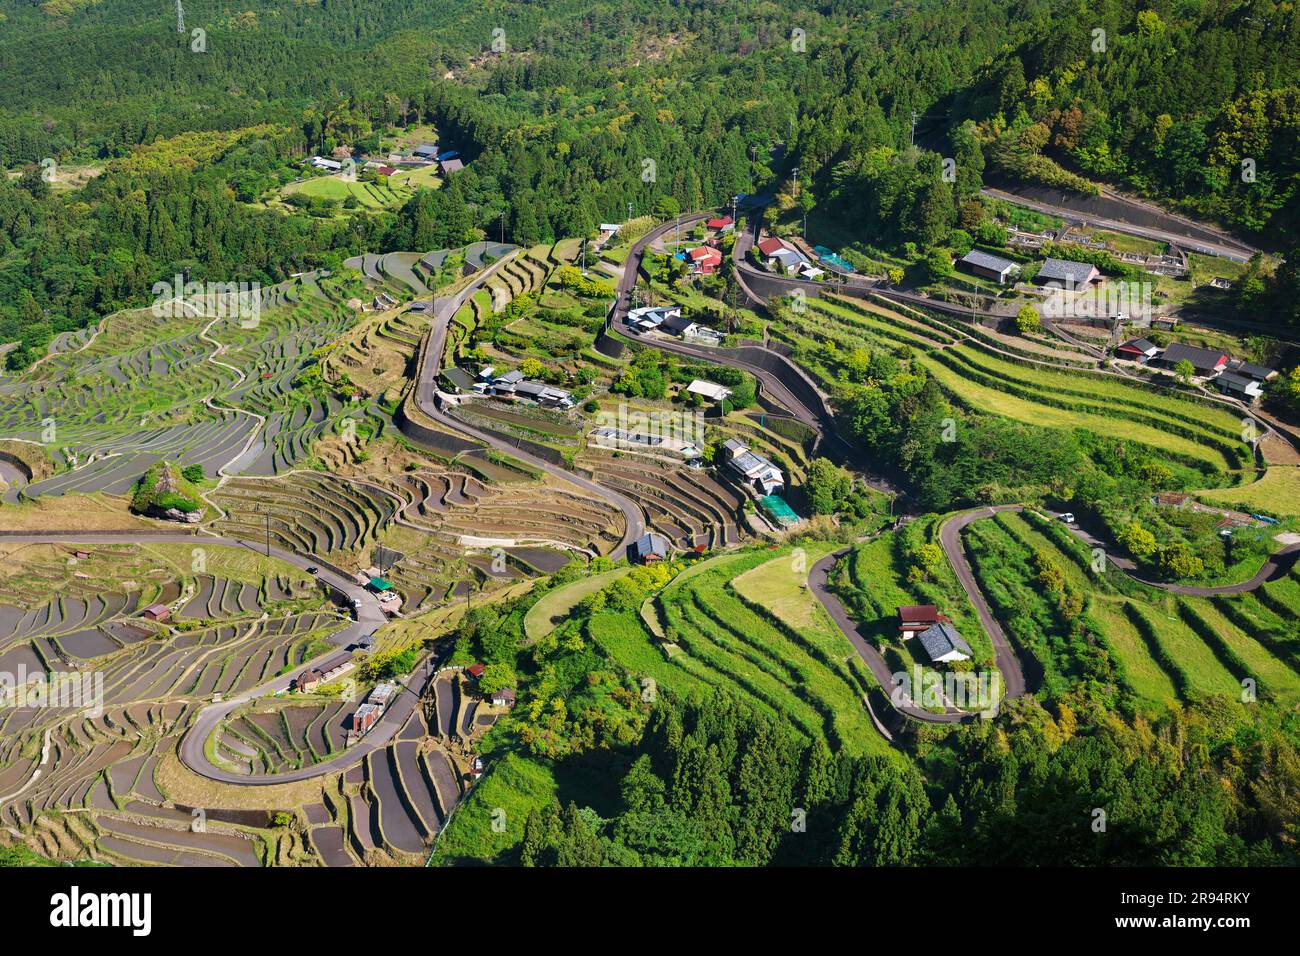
x: 880, y: 669
x: 1277, y: 565
x: 1013, y: 677
x: 1008, y: 663
x: 427, y: 399
x: 820, y: 417
x: 369, y: 618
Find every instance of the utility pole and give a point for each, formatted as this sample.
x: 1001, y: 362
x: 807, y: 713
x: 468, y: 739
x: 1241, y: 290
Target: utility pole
x: 268, y: 534
x: 629, y: 210
x: 796, y: 180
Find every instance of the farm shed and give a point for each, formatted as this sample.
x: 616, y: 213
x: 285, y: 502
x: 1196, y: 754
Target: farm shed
x: 709, y: 390
x: 650, y: 547
x: 914, y: 618
x: 989, y: 266
x: 943, y: 643
x: 1066, y: 273
x: 157, y: 612
x: 1138, y: 350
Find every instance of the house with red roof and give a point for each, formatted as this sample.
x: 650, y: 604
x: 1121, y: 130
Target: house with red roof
x: 771, y: 246
x: 915, y: 618
x: 721, y: 225
x: 705, y: 260
x: 475, y: 670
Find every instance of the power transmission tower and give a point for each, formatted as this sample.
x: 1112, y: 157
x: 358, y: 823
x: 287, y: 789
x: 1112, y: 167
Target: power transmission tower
x: 180, y: 17
x: 915, y: 117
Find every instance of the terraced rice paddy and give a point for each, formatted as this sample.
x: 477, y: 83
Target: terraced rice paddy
x: 307, y: 513
x: 1007, y: 378
x: 810, y: 678
x: 690, y: 507
x: 1169, y: 647
x: 279, y: 739
x: 150, y: 386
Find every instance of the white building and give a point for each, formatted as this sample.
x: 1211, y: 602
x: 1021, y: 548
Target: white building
x: 711, y: 391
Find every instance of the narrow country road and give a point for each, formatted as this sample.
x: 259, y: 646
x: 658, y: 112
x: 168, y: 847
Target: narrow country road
x: 426, y: 396
x: 1013, y: 677
x: 1226, y: 246
x: 369, y: 618
x: 817, y: 583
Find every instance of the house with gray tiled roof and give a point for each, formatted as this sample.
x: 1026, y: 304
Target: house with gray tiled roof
x: 1068, y: 274
x: 943, y: 643
x: 988, y: 266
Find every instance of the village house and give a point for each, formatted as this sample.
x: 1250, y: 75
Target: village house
x: 1260, y: 373
x: 704, y: 260
x: 449, y: 166
x: 328, y: 165
x: 313, y: 677
x: 709, y: 391
x: 751, y: 469
x: 649, y: 318
x: 721, y: 225
x: 475, y: 671
x: 1067, y: 274
x: 943, y: 643
x: 988, y: 266
x: 425, y: 151
x: 513, y: 385
x: 505, y: 697
x: 650, y: 548
x: 1206, y: 362
x: 690, y: 331
x: 1137, y: 350
x: 1240, y: 386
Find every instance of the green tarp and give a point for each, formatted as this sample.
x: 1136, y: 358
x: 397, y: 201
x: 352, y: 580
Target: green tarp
x: 379, y: 584
x: 779, y: 511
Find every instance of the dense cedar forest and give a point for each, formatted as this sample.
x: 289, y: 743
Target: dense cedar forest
x: 711, y: 783
x: 558, y: 126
